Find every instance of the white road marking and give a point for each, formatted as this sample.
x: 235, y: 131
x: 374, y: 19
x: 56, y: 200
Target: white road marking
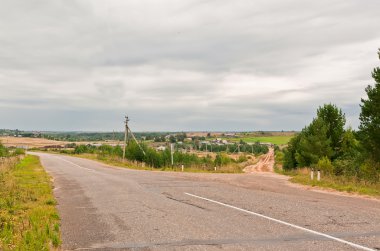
x: 72, y: 163
x: 284, y: 223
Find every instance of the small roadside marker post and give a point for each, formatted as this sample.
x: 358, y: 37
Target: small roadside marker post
x: 172, y: 153
x: 182, y: 167
x: 215, y: 168
x: 312, y: 174
x: 319, y: 175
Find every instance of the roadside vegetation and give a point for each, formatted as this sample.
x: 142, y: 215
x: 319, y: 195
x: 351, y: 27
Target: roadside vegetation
x: 161, y: 160
x: 28, y: 217
x: 348, y: 160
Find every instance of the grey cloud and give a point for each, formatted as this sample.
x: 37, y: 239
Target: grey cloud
x: 183, y: 65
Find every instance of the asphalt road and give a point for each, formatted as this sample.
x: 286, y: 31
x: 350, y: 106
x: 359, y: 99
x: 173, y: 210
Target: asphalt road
x: 105, y: 208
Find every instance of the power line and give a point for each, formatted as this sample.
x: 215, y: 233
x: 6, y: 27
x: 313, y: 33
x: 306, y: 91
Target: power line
x: 126, y: 137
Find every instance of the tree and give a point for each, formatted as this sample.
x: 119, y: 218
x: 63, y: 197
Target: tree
x: 314, y: 144
x: 370, y: 117
x: 290, y: 161
x: 172, y: 139
x: 334, y: 119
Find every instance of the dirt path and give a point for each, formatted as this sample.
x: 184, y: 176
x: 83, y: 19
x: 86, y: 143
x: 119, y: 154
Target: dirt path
x: 265, y: 164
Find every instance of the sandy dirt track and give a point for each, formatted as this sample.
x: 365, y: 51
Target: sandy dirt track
x: 265, y: 163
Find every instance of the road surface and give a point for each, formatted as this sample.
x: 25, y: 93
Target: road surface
x: 105, y: 208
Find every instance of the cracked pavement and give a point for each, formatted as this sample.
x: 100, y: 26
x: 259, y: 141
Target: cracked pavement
x: 107, y: 208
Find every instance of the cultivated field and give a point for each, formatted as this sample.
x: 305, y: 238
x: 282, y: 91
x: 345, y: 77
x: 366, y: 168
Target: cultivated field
x: 29, y: 142
x: 41, y: 142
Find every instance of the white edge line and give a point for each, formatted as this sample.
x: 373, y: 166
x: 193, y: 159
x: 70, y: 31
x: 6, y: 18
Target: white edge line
x: 284, y: 223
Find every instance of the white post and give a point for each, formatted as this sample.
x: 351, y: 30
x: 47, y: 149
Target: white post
x: 215, y: 168
x: 172, y: 153
x: 312, y: 175
x: 182, y: 167
x: 319, y: 175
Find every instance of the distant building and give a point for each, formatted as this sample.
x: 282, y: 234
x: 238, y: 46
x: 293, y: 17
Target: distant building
x: 230, y: 135
x: 161, y: 148
x: 94, y: 144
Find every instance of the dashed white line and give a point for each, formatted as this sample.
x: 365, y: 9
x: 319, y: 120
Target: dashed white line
x: 284, y: 223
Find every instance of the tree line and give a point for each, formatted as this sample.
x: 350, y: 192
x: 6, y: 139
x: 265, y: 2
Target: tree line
x: 157, y: 159
x: 326, y: 144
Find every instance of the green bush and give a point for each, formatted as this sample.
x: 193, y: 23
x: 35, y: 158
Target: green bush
x: 3, y: 150
x: 325, y: 165
x: 369, y: 171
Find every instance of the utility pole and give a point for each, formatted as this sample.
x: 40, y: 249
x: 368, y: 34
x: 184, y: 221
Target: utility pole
x: 125, y: 135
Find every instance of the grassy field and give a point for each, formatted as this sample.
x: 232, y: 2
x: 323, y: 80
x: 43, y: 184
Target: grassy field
x: 28, y: 217
x: 278, y: 140
x: 339, y: 183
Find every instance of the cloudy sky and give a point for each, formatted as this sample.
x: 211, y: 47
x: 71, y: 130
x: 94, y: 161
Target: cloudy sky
x: 183, y: 65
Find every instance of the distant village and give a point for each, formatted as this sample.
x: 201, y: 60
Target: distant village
x: 203, y: 141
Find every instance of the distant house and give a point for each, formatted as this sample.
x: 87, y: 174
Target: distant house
x: 219, y: 141
x: 161, y: 148
x: 230, y: 135
x: 95, y: 144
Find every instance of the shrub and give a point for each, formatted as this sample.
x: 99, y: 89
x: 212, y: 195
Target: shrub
x: 369, y: 171
x: 324, y: 164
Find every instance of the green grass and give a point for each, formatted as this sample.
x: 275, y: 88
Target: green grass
x: 278, y: 140
x: 28, y: 217
x: 109, y: 160
x: 115, y: 161
x: 339, y: 183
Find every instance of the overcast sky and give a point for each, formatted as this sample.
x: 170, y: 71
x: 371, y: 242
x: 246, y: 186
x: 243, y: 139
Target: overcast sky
x: 183, y: 65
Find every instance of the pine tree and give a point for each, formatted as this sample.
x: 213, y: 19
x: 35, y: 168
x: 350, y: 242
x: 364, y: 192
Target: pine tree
x: 370, y: 117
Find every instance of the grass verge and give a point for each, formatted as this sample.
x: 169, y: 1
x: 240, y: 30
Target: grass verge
x: 28, y: 217
x: 339, y: 183
x: 116, y: 161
